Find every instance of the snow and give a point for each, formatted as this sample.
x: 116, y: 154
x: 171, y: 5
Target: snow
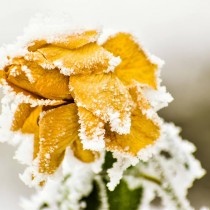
x: 116, y: 172
x: 158, y: 99
x: 113, y: 62
x: 28, y: 74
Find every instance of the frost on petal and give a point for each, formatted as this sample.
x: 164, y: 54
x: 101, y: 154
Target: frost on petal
x: 75, y: 40
x: 116, y: 172
x: 21, y: 114
x: 31, y: 126
x: 22, y: 96
x: 135, y: 64
x: 86, y: 156
x: 48, y: 84
x: 106, y: 97
x: 143, y: 132
x: 91, y: 130
x: 138, y: 97
x: 84, y: 60
x: 58, y: 129
x: 72, y: 41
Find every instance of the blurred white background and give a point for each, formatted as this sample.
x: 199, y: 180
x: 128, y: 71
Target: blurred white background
x: 178, y: 31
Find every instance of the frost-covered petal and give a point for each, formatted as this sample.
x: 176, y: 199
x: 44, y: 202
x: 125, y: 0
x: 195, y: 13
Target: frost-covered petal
x: 106, y: 97
x: 139, y: 98
x: 21, y: 114
x: 82, y: 154
x: 135, y: 63
x: 143, y: 132
x: 72, y: 41
x: 33, y: 78
x: 84, y: 60
x: 91, y: 130
x: 58, y: 129
x: 31, y: 126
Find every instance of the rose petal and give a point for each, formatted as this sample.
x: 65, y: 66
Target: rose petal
x: 135, y: 63
x: 143, y: 132
x: 58, y: 129
x: 106, y: 97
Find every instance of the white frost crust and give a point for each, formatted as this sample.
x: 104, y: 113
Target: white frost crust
x: 113, y: 62
x: 116, y: 172
x: 157, y: 98
x: 28, y: 74
x: 63, y: 70
x: 118, y: 125
x: 94, y: 142
x: 10, y: 94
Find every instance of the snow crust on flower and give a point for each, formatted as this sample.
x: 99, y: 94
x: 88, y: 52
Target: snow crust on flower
x: 49, y: 27
x: 65, y: 71
x: 157, y: 98
x: 96, y: 142
x: 28, y: 74
x: 66, y: 193
x: 113, y: 62
x: 117, y: 124
x: 17, y: 98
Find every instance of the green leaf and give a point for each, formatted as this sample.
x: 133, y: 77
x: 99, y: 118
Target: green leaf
x: 109, y: 160
x: 122, y: 198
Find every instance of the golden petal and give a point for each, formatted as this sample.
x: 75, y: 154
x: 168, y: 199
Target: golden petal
x: 27, y: 97
x: 58, y: 129
x: 86, y: 156
x: 67, y: 41
x: 143, y: 132
x: 84, y: 60
x: 138, y: 97
x: 76, y: 40
x: 91, y: 128
x: 135, y: 63
x: 21, y: 114
x: 105, y: 96
x: 30, y: 76
x: 33, y: 46
x: 31, y: 126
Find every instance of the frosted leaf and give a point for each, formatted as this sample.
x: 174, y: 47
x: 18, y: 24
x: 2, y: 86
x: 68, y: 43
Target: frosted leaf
x: 116, y: 172
x: 163, y: 174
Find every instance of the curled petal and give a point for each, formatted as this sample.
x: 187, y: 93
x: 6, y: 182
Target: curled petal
x: 143, y: 132
x: 138, y: 97
x: 67, y: 41
x: 21, y: 114
x: 84, y: 60
x: 33, y: 78
x: 58, y: 129
x: 91, y: 130
x: 106, y: 97
x: 135, y: 63
x: 31, y: 126
x: 86, y: 156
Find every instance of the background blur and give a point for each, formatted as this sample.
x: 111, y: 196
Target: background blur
x: 178, y: 31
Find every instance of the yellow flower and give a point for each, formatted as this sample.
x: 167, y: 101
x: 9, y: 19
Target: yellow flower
x: 74, y: 94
